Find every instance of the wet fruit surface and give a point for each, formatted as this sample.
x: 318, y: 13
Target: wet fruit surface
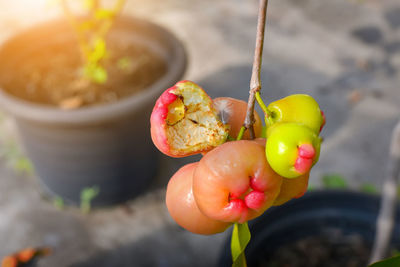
x: 234, y: 182
x: 183, y: 208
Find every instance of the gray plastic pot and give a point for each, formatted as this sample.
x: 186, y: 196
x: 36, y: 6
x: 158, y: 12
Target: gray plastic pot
x: 316, y: 213
x: 108, y: 146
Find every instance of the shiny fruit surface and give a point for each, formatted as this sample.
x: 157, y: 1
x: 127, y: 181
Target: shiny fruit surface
x: 299, y: 108
x: 292, y: 149
x: 232, y: 112
x: 182, y: 207
x: 234, y: 182
x: 292, y: 188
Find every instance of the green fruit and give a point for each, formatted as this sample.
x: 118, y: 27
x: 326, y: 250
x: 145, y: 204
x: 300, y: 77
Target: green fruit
x: 292, y: 149
x: 298, y: 108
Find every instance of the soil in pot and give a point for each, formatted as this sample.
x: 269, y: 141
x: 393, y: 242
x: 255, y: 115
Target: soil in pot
x: 320, y: 229
x: 53, y: 75
x: 328, y: 250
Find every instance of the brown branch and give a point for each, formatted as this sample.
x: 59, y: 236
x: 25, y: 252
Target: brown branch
x: 255, y: 83
x: 385, y: 221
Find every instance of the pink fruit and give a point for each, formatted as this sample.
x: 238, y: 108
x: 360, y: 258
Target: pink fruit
x: 182, y: 207
x: 234, y: 182
x: 185, y: 122
x: 292, y: 188
x: 233, y: 112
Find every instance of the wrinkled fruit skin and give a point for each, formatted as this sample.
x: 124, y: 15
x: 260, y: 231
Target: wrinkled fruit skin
x: 182, y: 207
x: 292, y: 188
x: 298, y: 108
x: 233, y: 112
x: 184, y: 121
x: 292, y: 149
x: 234, y: 182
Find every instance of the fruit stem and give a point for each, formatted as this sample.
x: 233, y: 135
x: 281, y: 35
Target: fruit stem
x: 241, y: 132
x: 262, y: 104
x: 255, y: 83
x: 385, y: 221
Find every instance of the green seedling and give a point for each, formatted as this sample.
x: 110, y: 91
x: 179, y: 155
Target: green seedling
x: 334, y: 181
x: 311, y: 187
x: 58, y: 202
x: 87, y: 195
x: 124, y: 64
x: 369, y: 188
x: 91, y: 31
x: 15, y: 158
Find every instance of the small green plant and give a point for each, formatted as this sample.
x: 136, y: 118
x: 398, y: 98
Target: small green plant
x: 14, y: 157
x: 369, y: 188
x: 390, y: 262
x: 334, y: 181
x: 91, y: 30
x: 58, y: 202
x: 87, y: 195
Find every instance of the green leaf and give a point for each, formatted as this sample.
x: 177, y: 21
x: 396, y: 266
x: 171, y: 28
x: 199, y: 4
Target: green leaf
x: 96, y: 73
x: 240, y: 238
x: 87, y: 195
x: 23, y: 165
x: 391, y: 262
x: 99, y: 75
x: 334, y: 181
x: 104, y: 14
x: 369, y: 188
x: 311, y: 187
x: 58, y: 202
x: 99, y: 51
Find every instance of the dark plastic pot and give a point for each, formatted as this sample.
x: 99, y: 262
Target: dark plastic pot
x: 314, y: 214
x: 107, y: 145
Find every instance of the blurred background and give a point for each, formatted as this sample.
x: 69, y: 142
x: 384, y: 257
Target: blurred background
x: 345, y: 53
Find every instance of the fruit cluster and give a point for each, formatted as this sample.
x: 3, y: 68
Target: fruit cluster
x: 235, y: 181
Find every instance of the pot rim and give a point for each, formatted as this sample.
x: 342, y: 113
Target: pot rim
x: 24, y: 109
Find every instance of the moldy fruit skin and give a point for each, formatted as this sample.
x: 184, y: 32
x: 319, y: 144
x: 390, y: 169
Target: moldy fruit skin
x: 183, y: 208
x: 184, y: 121
x: 233, y: 111
x: 292, y: 149
x: 298, y: 108
x: 234, y: 182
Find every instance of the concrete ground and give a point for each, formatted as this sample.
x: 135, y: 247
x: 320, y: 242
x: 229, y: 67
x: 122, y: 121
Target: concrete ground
x: 346, y: 53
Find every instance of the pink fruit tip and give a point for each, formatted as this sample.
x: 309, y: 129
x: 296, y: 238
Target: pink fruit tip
x: 306, y: 151
x: 254, y: 199
x: 304, y: 160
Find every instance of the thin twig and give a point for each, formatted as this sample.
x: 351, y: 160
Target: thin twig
x: 73, y: 21
x: 105, y: 27
x: 385, y: 221
x: 255, y: 83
